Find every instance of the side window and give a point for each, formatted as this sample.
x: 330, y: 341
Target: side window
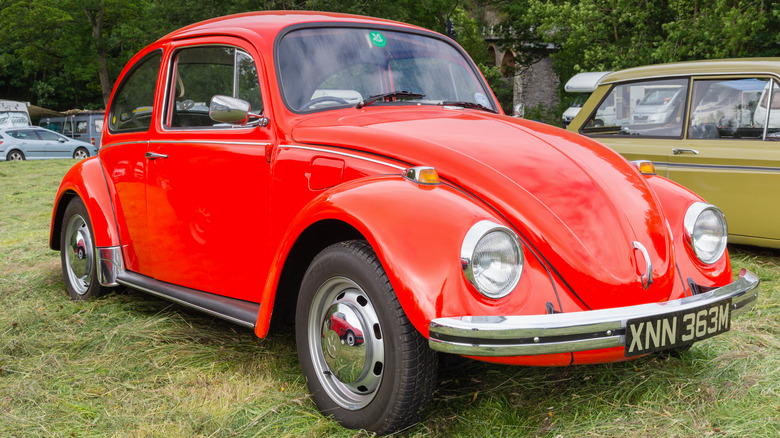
x: 768, y: 111
x: 48, y: 136
x: 98, y: 125
x: 726, y: 108
x: 648, y: 108
x: 201, y: 73
x: 131, y: 107
x: 81, y: 127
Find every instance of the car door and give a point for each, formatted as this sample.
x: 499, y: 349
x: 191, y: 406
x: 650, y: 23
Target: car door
x: 729, y: 158
x: 208, y: 183
x: 641, y: 120
x: 55, y: 145
x: 29, y: 143
x: 123, y: 157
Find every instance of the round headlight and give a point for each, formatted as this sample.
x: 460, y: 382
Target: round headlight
x: 706, y: 231
x: 492, y: 259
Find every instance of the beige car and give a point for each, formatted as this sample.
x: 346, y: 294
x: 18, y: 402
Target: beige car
x: 712, y: 126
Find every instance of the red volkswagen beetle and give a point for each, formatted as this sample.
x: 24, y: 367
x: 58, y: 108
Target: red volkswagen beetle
x: 316, y: 164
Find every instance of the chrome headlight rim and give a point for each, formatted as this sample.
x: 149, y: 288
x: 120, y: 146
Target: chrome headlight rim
x: 692, y: 216
x: 471, y: 242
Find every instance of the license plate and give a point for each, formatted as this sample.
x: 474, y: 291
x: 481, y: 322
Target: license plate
x: 676, y: 329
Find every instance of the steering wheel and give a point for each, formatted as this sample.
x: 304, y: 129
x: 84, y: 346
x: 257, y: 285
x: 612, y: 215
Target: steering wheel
x: 322, y: 99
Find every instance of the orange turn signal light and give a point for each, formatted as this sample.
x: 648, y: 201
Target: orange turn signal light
x: 423, y: 175
x: 645, y: 167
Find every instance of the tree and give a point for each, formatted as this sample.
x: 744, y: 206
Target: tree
x: 598, y: 35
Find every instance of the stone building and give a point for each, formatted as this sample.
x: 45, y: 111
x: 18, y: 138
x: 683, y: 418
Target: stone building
x: 533, y: 84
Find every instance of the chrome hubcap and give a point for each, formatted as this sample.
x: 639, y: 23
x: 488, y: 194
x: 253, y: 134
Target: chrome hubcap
x: 80, y: 155
x: 79, y: 257
x: 346, y: 343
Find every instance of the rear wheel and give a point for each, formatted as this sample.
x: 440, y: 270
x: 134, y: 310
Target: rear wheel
x: 80, y: 154
x: 382, y: 384
x: 15, y: 155
x: 77, y: 253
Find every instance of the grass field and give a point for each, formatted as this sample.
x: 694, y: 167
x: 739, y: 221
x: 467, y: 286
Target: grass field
x: 130, y: 365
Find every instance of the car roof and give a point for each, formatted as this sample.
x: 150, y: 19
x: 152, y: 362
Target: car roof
x: 271, y: 22
x: 769, y: 66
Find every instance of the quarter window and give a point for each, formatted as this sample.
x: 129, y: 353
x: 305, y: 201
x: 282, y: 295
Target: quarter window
x: 131, y: 109
x: 200, y: 73
x: 649, y: 108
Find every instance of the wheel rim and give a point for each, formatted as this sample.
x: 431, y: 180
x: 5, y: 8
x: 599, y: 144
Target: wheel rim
x: 349, y: 374
x: 79, y: 256
x: 16, y: 156
x: 80, y: 154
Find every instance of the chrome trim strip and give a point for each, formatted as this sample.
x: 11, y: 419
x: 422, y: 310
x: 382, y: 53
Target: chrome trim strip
x: 120, y: 143
x: 110, y: 264
x: 745, y: 73
x: 570, y: 332
x: 718, y: 167
x: 345, y: 154
x: 210, y: 141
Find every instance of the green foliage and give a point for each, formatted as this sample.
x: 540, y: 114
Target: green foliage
x: 599, y: 35
x: 502, y: 86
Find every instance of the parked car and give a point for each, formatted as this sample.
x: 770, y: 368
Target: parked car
x: 86, y: 126
x: 34, y: 143
x: 433, y: 221
x: 711, y: 126
x: 346, y: 331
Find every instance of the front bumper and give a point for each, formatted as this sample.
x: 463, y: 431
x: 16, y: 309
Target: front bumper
x: 571, y: 332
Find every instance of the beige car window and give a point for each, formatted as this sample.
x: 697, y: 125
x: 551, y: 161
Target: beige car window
x: 647, y: 108
x: 726, y: 108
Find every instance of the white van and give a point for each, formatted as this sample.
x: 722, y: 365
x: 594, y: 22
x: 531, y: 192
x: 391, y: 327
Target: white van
x: 14, y: 114
x: 580, y: 83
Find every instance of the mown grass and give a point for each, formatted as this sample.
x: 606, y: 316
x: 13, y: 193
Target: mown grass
x: 130, y: 365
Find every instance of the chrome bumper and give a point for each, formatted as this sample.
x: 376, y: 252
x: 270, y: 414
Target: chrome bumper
x: 571, y: 332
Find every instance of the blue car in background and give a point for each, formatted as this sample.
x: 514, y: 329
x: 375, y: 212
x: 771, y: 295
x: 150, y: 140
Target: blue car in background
x: 34, y: 143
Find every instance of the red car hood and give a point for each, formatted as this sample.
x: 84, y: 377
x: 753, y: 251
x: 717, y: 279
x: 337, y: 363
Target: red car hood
x: 577, y: 202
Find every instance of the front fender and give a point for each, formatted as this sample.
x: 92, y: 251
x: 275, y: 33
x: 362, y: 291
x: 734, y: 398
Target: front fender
x: 675, y: 200
x: 417, y: 232
x: 86, y: 181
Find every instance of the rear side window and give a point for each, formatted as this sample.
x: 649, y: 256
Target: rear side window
x: 648, y: 108
x: 131, y: 107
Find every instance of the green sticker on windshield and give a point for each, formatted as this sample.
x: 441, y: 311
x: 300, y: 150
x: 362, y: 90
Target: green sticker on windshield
x: 378, y: 39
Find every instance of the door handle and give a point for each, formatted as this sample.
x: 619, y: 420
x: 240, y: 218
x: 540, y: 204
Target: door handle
x: 685, y: 151
x: 154, y: 156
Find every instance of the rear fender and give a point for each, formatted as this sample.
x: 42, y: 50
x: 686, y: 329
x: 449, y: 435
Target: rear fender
x: 86, y: 181
x: 417, y: 232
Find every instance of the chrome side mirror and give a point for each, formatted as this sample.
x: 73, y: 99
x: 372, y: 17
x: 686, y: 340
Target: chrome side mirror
x: 226, y: 109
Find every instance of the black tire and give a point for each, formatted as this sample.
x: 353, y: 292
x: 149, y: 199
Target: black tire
x: 80, y: 154
x: 15, y: 155
x: 383, y: 384
x: 349, y: 338
x: 78, y: 254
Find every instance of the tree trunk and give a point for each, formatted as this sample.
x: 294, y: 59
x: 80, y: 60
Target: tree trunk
x: 95, y: 18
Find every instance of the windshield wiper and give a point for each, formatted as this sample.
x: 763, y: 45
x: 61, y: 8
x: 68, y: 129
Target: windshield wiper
x: 469, y: 105
x: 401, y: 93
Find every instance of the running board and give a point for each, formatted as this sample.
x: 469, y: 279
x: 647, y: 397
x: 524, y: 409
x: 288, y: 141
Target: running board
x: 236, y: 311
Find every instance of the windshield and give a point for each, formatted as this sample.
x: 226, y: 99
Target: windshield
x: 322, y: 68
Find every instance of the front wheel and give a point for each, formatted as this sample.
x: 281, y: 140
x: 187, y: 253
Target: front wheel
x: 78, y: 254
x: 382, y: 384
x: 80, y: 154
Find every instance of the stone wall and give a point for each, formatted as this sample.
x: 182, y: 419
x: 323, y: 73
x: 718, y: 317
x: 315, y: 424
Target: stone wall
x: 536, y: 84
